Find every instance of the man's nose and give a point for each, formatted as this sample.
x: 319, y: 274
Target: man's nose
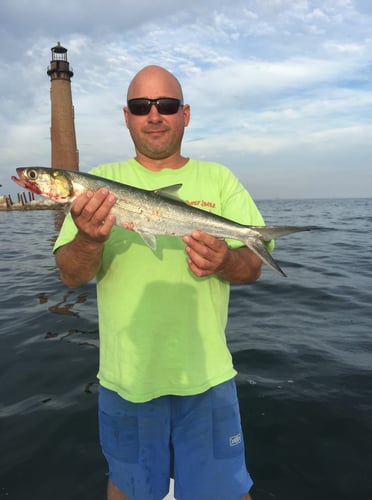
x: 154, y: 114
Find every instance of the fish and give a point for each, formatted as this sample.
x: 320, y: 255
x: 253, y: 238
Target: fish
x: 151, y: 213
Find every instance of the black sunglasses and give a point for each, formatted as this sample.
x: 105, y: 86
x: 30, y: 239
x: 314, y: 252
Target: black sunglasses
x: 164, y: 105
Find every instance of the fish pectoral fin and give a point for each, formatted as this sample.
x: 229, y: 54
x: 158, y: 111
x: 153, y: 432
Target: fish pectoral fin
x: 169, y: 192
x: 260, y: 250
x: 149, y: 239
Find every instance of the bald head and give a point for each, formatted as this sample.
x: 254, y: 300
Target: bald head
x: 154, y: 81
x: 157, y: 136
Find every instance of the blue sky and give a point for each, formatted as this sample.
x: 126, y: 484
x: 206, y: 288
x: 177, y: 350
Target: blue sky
x: 280, y: 90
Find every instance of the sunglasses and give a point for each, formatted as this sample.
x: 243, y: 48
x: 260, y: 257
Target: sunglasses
x: 164, y: 105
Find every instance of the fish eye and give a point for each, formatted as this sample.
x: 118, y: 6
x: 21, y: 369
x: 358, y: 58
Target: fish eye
x: 32, y: 174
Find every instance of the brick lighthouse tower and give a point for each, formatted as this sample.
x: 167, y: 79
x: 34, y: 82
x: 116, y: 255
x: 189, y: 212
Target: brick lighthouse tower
x: 62, y: 133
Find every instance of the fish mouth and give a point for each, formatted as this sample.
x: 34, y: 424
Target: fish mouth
x: 22, y: 181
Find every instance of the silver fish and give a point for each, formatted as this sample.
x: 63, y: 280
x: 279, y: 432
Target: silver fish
x: 151, y: 213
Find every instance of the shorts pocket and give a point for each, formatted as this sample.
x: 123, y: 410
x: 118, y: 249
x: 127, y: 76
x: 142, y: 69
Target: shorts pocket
x: 119, y: 436
x: 227, y: 433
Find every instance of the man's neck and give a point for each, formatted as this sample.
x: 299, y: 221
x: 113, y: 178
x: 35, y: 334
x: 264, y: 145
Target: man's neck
x: 173, y: 162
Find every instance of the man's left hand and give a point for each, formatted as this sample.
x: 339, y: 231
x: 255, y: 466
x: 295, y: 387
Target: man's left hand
x: 206, y: 254
x: 209, y: 255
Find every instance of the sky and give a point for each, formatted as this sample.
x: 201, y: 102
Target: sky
x: 280, y: 90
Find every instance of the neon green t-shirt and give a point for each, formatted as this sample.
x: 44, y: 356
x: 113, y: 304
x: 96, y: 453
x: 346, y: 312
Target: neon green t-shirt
x: 162, y: 329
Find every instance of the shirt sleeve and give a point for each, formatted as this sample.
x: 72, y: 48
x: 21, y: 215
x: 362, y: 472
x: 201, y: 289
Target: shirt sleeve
x: 238, y: 205
x: 67, y: 233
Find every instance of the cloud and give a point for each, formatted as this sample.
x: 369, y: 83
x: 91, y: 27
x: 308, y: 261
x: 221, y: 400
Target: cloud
x: 283, y: 85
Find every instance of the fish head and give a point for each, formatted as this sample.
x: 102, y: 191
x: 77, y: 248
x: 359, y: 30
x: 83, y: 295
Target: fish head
x: 52, y: 183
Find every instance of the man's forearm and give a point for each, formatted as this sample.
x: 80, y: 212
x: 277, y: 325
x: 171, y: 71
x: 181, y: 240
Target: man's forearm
x: 79, y: 261
x: 240, y: 266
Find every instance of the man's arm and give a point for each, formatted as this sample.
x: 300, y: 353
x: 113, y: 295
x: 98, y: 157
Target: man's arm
x: 80, y: 260
x: 209, y: 255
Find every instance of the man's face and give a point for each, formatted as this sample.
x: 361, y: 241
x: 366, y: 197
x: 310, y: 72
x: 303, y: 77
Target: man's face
x: 155, y: 135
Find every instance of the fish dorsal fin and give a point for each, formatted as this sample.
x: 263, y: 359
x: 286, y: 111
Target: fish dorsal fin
x: 169, y: 192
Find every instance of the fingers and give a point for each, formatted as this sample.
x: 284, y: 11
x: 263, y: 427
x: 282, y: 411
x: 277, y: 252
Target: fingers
x: 206, y: 253
x: 91, y: 214
x: 93, y: 206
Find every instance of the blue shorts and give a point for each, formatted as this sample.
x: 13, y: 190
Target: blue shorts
x: 199, y: 436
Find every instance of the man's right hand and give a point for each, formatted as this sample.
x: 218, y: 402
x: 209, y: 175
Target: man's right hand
x: 91, y: 214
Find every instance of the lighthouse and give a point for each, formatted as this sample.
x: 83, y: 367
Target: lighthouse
x: 62, y: 131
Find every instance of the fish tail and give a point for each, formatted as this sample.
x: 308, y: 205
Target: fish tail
x: 260, y: 250
x: 268, y: 233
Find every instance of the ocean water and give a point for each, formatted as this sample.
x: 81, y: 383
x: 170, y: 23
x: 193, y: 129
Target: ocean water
x: 302, y: 346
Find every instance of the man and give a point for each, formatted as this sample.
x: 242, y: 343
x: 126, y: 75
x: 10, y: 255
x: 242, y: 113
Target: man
x: 167, y: 390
